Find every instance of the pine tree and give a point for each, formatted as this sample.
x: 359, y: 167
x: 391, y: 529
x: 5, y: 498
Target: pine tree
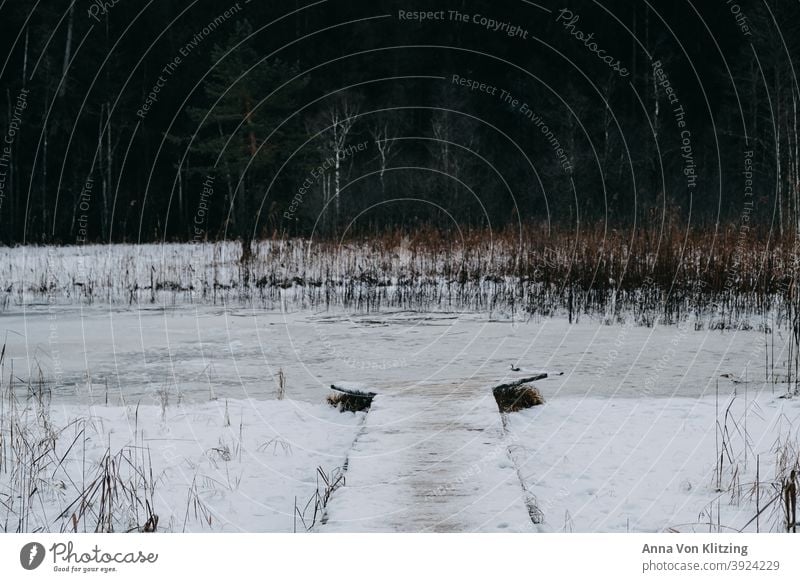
x: 245, y: 127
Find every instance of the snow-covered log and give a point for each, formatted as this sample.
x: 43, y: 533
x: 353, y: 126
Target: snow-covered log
x: 353, y: 389
x: 521, y: 381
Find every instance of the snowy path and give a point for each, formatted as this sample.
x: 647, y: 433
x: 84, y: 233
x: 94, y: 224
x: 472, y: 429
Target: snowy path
x: 431, y: 458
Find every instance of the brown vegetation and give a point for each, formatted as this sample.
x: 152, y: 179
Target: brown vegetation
x: 515, y: 398
x: 349, y: 402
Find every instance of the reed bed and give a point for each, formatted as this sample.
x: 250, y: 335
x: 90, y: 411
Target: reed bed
x: 648, y: 274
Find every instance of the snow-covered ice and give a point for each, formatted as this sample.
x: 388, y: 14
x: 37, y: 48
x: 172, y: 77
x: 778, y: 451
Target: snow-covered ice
x: 200, y: 351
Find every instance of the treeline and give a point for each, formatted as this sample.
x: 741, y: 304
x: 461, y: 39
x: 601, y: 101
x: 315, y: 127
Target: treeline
x: 203, y: 120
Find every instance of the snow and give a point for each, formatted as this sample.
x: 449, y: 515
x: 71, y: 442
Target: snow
x: 355, y: 388
x: 428, y: 458
x: 648, y: 465
x: 627, y: 440
x: 217, y: 466
x: 433, y: 458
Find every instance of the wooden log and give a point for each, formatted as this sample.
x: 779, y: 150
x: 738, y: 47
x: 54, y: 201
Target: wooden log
x: 350, y: 398
x: 521, y: 381
x: 356, y: 392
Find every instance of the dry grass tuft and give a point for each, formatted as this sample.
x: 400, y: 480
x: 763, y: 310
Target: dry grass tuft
x: 350, y: 402
x: 514, y: 398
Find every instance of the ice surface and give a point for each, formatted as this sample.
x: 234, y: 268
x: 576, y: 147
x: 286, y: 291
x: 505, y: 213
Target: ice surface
x: 205, y: 351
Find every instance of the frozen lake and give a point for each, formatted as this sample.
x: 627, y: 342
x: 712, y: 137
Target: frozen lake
x: 626, y: 440
x: 196, y: 352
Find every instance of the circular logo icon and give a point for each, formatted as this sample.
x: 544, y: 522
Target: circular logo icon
x: 31, y: 555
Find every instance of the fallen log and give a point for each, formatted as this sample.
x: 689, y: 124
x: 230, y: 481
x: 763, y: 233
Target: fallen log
x: 521, y: 381
x: 350, y: 397
x: 353, y: 390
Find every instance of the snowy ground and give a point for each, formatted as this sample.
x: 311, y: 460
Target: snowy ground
x: 623, y: 464
x: 430, y: 458
x: 218, y: 466
x: 250, y: 461
x: 183, y: 396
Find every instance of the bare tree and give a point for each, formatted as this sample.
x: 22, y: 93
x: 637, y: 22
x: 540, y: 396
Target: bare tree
x: 452, y: 137
x: 67, y: 51
x: 384, y: 143
x: 341, y: 118
x: 335, y: 124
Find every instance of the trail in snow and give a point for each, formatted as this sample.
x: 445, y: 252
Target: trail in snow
x: 431, y: 458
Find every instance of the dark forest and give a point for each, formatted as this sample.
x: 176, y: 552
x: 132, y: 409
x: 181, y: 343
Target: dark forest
x: 167, y: 120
